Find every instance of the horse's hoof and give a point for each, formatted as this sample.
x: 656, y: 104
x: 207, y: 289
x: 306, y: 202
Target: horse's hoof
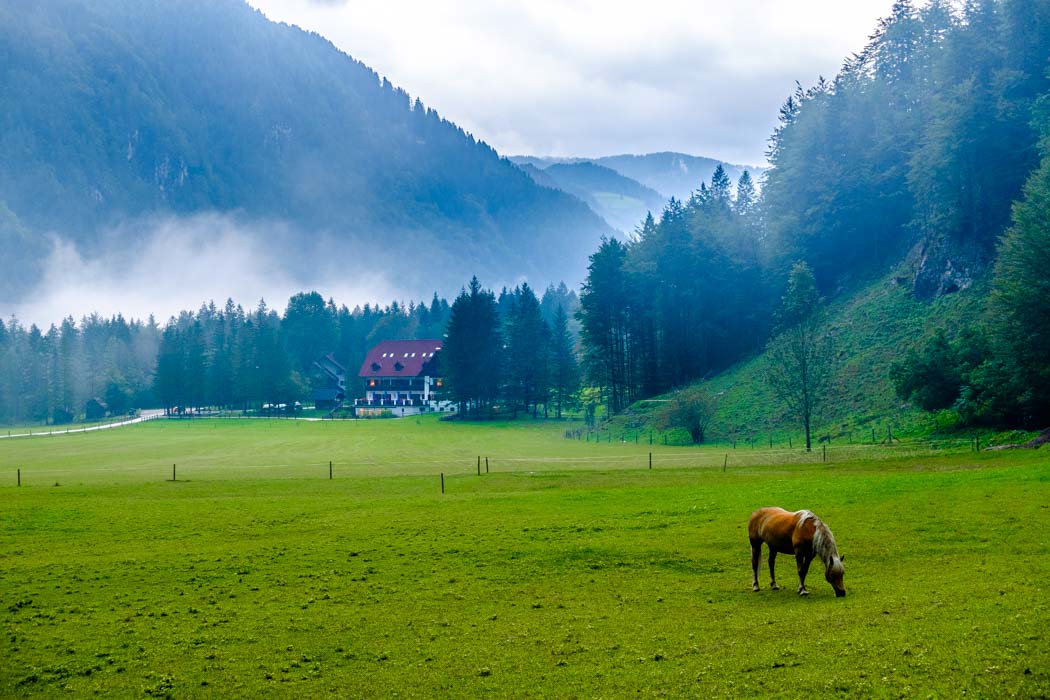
x: 803, y: 592
x: 774, y: 587
x: 755, y: 588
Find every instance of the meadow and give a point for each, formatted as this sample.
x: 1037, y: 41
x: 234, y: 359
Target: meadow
x: 571, y: 569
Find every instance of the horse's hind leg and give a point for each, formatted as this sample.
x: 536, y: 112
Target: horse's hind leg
x: 756, y: 556
x: 772, y: 575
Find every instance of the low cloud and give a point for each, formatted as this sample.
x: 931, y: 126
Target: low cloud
x: 163, y: 266
x: 589, y: 78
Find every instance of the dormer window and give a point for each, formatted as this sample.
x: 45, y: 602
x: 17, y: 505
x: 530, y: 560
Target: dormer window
x: 375, y: 367
x: 398, y: 366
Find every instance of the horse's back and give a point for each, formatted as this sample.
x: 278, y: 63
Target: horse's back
x: 773, y: 526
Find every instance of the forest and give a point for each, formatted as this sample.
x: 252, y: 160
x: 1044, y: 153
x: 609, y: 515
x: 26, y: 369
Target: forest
x: 910, y: 161
x: 926, y: 158
x: 232, y: 358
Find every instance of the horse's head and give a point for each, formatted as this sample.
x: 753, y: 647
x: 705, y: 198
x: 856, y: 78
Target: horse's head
x: 834, y: 574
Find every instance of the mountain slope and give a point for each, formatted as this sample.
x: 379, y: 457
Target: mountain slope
x: 672, y: 174
x: 668, y: 173
x: 115, y: 110
x: 872, y: 326
x: 619, y: 200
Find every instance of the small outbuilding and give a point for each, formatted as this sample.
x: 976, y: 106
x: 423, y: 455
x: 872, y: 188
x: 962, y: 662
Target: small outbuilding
x: 95, y: 409
x: 327, y: 398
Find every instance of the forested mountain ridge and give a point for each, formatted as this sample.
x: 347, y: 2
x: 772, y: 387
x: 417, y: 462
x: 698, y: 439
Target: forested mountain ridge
x: 669, y: 173
x: 905, y: 168
x: 621, y: 201
x: 119, y: 109
x: 921, y: 143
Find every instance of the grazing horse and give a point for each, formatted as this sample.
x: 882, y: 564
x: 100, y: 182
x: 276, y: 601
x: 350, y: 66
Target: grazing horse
x: 800, y: 533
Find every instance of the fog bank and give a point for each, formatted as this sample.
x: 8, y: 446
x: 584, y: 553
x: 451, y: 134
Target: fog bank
x: 163, y: 266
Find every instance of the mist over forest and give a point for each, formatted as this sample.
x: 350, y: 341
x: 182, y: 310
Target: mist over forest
x: 126, y: 125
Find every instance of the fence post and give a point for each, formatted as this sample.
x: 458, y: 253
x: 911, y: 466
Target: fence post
x: 442, y: 482
x: 173, y: 472
x: 486, y: 465
x: 825, y: 452
x: 329, y: 470
x: 771, y: 442
x: 789, y: 444
x: 479, y: 465
x: 20, y: 477
x: 725, y: 463
x: 650, y: 460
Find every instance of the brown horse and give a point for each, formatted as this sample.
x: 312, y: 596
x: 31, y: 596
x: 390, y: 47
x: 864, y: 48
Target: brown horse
x: 800, y: 533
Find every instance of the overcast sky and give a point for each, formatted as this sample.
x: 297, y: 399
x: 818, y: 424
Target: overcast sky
x: 599, y: 77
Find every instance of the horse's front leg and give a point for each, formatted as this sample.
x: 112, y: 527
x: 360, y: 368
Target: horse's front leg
x: 802, y: 559
x: 756, y: 556
x: 772, y: 575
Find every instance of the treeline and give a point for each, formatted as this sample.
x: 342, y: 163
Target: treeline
x: 48, y: 376
x: 231, y: 358
x: 683, y: 299
x: 223, y: 357
x: 921, y: 143
x: 507, y: 354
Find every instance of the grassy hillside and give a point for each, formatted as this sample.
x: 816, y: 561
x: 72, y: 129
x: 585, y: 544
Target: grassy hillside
x: 872, y: 327
x: 577, y: 581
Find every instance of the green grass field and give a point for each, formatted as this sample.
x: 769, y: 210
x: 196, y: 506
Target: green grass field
x: 570, y: 570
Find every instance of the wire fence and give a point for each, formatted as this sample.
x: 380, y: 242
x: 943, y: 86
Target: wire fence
x: 622, y: 456
x: 51, y: 430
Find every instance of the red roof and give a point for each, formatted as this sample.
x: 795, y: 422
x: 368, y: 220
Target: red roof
x: 401, y: 358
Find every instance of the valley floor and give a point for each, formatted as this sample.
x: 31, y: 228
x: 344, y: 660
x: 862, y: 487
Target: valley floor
x: 570, y: 569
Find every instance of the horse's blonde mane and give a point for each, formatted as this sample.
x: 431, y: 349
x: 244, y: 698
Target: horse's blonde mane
x: 823, y: 542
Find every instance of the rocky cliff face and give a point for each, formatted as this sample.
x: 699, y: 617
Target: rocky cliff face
x: 942, y: 266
